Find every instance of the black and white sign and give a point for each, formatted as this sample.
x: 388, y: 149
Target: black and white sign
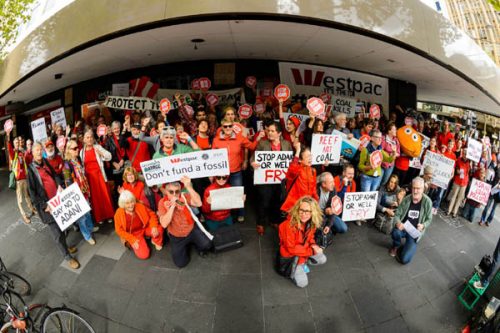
x: 273, y: 166
x: 68, y: 206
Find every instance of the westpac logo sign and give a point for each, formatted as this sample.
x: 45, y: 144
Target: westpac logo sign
x: 314, y: 80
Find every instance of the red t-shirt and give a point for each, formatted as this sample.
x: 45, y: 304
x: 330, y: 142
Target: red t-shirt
x: 56, y: 163
x: 48, y: 182
x: 462, y: 173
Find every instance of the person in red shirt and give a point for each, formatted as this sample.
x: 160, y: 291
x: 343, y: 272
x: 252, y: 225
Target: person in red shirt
x: 296, y: 236
x: 445, y: 135
x: 460, y: 182
x: 345, y: 183
x: 137, y: 151
x: 55, y: 160
x: 214, y: 219
x: 202, y: 138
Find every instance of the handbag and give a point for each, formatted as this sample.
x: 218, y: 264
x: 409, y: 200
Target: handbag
x: 284, y: 265
x: 12, y: 180
x: 323, y: 240
x: 227, y: 238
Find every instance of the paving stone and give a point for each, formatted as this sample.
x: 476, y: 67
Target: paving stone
x: 180, y: 315
x: 394, y: 325
x: 407, y: 296
x: 391, y: 272
x: 450, y: 308
x: 128, y: 272
x: 431, y: 284
x: 245, y: 259
x: 86, y: 252
x: 426, y: 319
x: 335, y: 313
x: 112, y: 247
x: 278, y: 290
x: 292, y: 318
x: 197, y: 286
x: 325, y: 280
x: 61, y: 281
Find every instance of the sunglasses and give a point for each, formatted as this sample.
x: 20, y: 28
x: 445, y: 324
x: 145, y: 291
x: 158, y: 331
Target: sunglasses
x: 221, y: 177
x: 227, y: 126
x: 174, y: 191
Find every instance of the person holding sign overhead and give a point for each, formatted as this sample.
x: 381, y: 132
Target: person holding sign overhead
x: 413, y: 217
x: 370, y: 162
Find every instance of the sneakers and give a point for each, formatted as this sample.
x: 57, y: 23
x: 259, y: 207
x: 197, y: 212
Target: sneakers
x: 434, y: 210
x: 260, y: 230
x: 72, y: 249
x: 358, y: 223
x: 95, y: 229
x: 91, y: 241
x: 73, y: 263
x: 479, y: 285
x: 26, y: 219
x: 393, y: 251
x: 158, y: 247
x: 241, y: 219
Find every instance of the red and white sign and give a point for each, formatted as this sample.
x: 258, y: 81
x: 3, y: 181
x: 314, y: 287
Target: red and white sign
x: 336, y: 205
x: 251, y: 81
x: 479, y: 191
x: 195, y: 84
x: 364, y: 140
x: 282, y: 92
x: 61, y: 143
x: 8, y: 125
x: 245, y: 111
x: 165, y: 105
x: 212, y: 99
x: 259, y: 108
x: 374, y: 111
x: 315, y: 105
x: 376, y: 159
x: 205, y: 83
x: 325, y: 97
x: 101, y: 130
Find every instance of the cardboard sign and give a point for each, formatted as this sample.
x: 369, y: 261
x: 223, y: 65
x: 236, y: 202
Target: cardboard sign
x: 38, y: 130
x: 374, y: 111
x: 479, y: 191
x: 165, y: 105
x: 251, y: 81
x: 336, y: 205
x: 227, y: 198
x: 245, y: 111
x: 415, y: 163
x: 58, y: 117
x: 325, y: 97
x: 101, y: 130
x: 474, y: 150
x: 364, y: 140
x: 131, y: 103
x: 199, y: 164
x: 205, y: 83
x: 315, y: 105
x: 259, y: 108
x: 344, y: 105
x: 61, y: 143
x: 68, y: 206
x: 282, y: 92
x: 8, y: 125
x: 120, y: 89
x: 325, y: 147
x: 376, y: 159
x: 442, y: 166
x: 273, y: 166
x: 212, y: 99
x: 359, y: 206
x: 349, y: 147
x: 195, y: 84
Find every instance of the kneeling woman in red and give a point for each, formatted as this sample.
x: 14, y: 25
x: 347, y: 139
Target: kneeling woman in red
x: 134, y: 221
x: 297, y: 238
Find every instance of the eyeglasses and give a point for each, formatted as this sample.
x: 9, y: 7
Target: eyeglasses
x: 305, y: 211
x: 174, y: 192
x: 227, y: 126
x: 221, y: 177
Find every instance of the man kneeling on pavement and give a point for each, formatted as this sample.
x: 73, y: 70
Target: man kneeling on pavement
x: 412, y: 218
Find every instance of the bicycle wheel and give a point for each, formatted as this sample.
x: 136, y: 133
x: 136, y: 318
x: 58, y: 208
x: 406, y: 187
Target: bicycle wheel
x: 63, y: 320
x: 36, y: 314
x: 15, y: 301
x: 16, y: 283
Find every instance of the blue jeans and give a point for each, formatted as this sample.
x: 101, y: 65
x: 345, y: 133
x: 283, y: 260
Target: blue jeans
x: 470, y: 212
x: 369, y: 183
x: 485, y: 217
x: 337, y: 224
x: 496, y: 257
x: 86, y: 225
x: 410, y: 247
x: 214, y: 225
x: 436, y: 196
x: 386, y: 173
x: 236, y: 179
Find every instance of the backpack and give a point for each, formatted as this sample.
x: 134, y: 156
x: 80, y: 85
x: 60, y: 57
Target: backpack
x: 486, y: 265
x: 383, y: 223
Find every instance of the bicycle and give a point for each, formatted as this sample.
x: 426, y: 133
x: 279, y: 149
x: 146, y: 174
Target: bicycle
x: 14, y: 281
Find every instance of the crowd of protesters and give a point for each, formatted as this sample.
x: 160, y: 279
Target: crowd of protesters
x: 107, y: 170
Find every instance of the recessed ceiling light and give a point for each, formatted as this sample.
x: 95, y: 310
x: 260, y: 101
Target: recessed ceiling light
x: 391, y: 60
x: 197, y: 40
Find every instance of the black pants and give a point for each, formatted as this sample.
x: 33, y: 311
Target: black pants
x: 268, y: 204
x: 60, y: 238
x: 180, y: 246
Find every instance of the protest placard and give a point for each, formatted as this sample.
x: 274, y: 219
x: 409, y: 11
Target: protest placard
x: 364, y: 140
x: 120, y: 89
x: 198, y: 164
x: 349, y: 147
x: 376, y: 159
x: 442, y: 166
x: 273, y: 166
x: 39, y: 130
x: 336, y: 205
x: 8, y: 125
x: 68, y: 206
x: 479, y: 191
x: 227, y: 198
x: 474, y: 150
x: 325, y: 147
x: 344, y: 105
x: 359, y: 206
x: 131, y: 103
x: 315, y: 105
x: 58, y: 117
x: 282, y: 92
x: 374, y: 111
x: 205, y: 83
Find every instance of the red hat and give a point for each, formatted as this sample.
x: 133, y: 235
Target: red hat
x: 295, y: 120
x: 48, y: 143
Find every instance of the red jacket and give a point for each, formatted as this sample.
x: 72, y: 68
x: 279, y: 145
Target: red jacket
x: 142, y: 154
x: 234, y: 145
x: 56, y: 163
x: 296, y: 241
x: 206, y: 208
x: 339, y: 185
x: 444, y: 138
x: 304, y: 183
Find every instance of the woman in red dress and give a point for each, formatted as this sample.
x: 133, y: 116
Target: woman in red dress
x: 93, y: 157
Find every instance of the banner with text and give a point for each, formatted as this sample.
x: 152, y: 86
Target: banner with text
x: 273, y: 166
x: 443, y: 168
x: 326, y: 147
x: 315, y: 80
x: 58, y: 117
x: 479, y: 191
x: 131, y: 103
x: 474, y: 150
x: 38, y: 130
x: 198, y: 164
x: 359, y: 206
x: 226, y: 97
x: 68, y: 206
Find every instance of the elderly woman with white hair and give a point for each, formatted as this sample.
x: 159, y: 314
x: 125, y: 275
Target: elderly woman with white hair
x: 134, y: 222
x: 170, y: 147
